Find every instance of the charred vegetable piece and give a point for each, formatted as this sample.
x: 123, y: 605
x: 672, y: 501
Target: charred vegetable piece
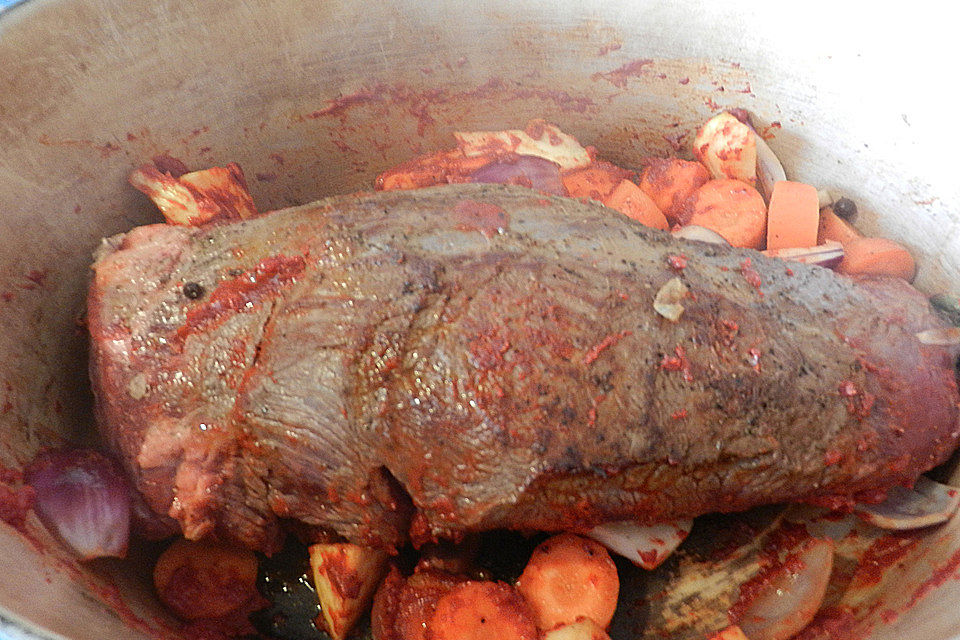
x: 569, y: 577
x: 199, y: 197
x: 928, y: 503
x: 345, y: 577
x: 205, y: 580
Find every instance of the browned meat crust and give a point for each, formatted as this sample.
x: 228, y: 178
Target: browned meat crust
x: 389, y: 365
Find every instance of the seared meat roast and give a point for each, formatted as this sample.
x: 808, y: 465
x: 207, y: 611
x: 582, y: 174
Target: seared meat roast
x: 427, y: 363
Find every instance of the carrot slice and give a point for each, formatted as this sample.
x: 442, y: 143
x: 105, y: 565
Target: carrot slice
x: 596, y: 181
x: 569, y: 577
x: 732, y: 208
x: 482, y: 611
x: 629, y: 200
x: 877, y: 256
x: 793, y: 217
x: 833, y: 227
x: 205, y: 580
x: 670, y: 181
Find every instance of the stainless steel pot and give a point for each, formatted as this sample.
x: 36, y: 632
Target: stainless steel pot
x: 315, y: 97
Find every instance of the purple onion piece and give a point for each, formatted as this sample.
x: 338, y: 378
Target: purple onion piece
x: 828, y: 254
x: 83, y: 499
x: 526, y: 171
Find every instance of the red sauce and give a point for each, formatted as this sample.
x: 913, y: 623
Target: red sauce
x: 233, y: 296
x: 678, y: 362
x: 619, y: 76
x: 648, y: 557
x: 488, y: 219
x: 750, y: 274
x: 886, y: 552
x: 835, y: 622
x: 677, y: 263
x: 939, y: 576
x: 607, y: 342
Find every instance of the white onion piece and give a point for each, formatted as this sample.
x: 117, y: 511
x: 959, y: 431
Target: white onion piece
x: 700, y: 234
x: 526, y: 171
x: 668, y: 299
x: 769, y: 168
x: 928, y: 503
x: 790, y: 601
x: 829, y: 254
x: 947, y: 337
x: 644, y: 545
x: 825, y: 198
x: 83, y: 499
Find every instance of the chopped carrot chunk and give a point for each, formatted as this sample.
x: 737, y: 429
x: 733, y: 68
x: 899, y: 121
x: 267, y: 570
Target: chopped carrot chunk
x: 670, y: 182
x: 877, y: 256
x: 793, y: 216
x: 629, y: 200
x: 732, y: 208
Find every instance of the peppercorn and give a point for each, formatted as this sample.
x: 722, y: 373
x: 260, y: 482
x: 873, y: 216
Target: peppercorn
x: 193, y: 290
x: 845, y: 208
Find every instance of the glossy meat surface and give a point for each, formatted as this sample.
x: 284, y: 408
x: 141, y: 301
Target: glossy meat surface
x: 470, y: 357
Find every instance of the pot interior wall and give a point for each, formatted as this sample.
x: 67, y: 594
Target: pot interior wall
x: 315, y: 98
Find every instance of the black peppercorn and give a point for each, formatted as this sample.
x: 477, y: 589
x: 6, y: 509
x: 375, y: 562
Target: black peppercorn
x: 845, y: 208
x: 193, y: 290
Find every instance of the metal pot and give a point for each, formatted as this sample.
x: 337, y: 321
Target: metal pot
x: 315, y: 97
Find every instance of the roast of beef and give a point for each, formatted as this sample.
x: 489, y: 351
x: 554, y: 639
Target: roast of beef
x: 434, y: 362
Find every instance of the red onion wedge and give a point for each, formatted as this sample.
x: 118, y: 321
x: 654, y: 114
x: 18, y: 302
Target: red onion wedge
x: 829, y: 254
x: 698, y: 233
x: 82, y: 498
x: 928, y: 503
x: 526, y: 171
x: 790, y: 594
x: 645, y: 546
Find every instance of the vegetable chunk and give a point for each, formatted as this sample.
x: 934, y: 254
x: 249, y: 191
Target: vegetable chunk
x: 199, y: 197
x: 793, y: 217
x: 482, y: 611
x: 670, y: 182
x: 727, y: 148
x: 205, y: 580
x: 569, y: 577
x: 732, y: 208
x: 345, y: 576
